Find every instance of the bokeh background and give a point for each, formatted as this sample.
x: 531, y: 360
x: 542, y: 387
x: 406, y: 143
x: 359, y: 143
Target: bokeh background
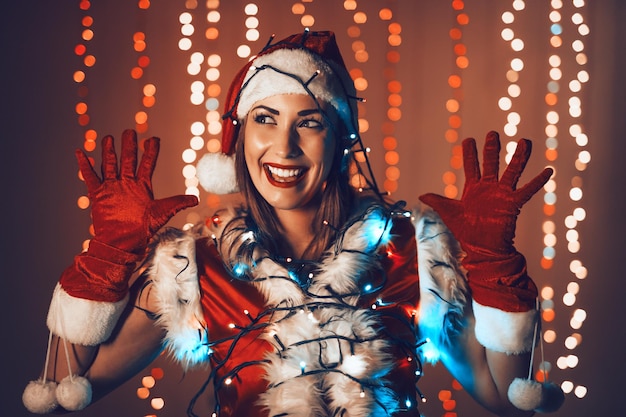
x: 433, y: 72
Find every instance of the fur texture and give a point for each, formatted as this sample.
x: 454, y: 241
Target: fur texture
x: 82, y: 321
x: 443, y: 286
x: 504, y: 331
x: 174, y: 273
x: 216, y: 173
x: 306, y: 379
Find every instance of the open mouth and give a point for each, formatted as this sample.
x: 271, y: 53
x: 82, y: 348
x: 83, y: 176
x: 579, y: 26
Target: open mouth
x: 283, y: 176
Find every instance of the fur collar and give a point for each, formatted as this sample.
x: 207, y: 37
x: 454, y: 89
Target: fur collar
x: 319, y: 327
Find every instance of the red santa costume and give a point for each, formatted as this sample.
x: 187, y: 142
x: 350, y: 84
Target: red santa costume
x: 343, y: 335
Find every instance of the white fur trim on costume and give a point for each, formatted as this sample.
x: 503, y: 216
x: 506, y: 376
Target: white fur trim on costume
x: 216, y: 173
x: 443, y: 286
x: 341, y: 270
x: 176, y: 290
x: 81, y: 321
x: 504, y: 331
x: 263, y: 83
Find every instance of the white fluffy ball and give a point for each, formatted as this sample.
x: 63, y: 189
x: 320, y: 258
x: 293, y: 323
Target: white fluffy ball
x: 216, y: 173
x: 39, y: 397
x: 74, y: 393
x: 525, y: 394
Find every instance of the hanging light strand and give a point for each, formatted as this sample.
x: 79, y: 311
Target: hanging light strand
x: 81, y: 78
x: 454, y: 104
x: 394, y: 100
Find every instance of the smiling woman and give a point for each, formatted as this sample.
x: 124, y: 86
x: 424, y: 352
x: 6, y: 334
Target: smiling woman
x: 288, y: 145
x: 310, y: 299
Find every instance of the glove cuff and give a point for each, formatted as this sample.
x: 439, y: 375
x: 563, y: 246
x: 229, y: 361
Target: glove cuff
x: 502, y: 283
x: 81, y: 321
x: 100, y: 274
x: 91, y: 294
x: 504, y: 331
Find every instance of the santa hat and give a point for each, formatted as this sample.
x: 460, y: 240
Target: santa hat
x: 307, y: 63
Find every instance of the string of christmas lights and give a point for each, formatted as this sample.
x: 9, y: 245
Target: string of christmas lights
x: 318, y: 307
x: 394, y: 100
x: 455, y: 103
x: 82, y: 108
x: 575, y: 65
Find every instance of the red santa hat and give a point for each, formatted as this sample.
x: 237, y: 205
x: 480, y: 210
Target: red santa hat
x: 307, y: 63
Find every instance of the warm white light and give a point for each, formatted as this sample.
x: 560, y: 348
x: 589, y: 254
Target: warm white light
x: 508, y: 17
x: 552, y: 117
x: 243, y: 51
x: 213, y: 16
x: 548, y: 227
x: 185, y: 18
x: 189, y: 156
x: 196, y: 143
x: 252, y: 22
x: 571, y: 235
x: 567, y: 386
x: 515, y: 119
x: 519, y: 5
x: 184, y: 44
x: 517, y: 64
x: 505, y: 103
x: 197, y: 128
x: 189, y: 171
x: 193, y: 69
x: 575, y: 193
x: 514, y: 90
x: 569, y: 299
x: 517, y: 45
x: 580, y: 391
x: 251, y: 9
x: 580, y: 214
x: 554, y: 61
x: 187, y: 30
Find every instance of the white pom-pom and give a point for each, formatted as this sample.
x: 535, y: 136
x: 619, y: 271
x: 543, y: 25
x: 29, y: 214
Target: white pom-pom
x: 216, y: 173
x: 525, y: 394
x: 74, y: 393
x: 39, y: 397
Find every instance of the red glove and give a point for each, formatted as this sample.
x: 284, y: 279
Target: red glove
x: 125, y: 216
x: 483, y: 222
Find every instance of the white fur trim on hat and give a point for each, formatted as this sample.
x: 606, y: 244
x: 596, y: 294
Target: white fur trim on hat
x: 262, y: 82
x: 81, y: 321
x: 504, y: 331
x: 216, y: 173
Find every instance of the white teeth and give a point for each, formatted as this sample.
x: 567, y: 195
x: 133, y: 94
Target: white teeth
x: 284, y: 173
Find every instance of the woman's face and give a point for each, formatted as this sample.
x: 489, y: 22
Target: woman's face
x: 288, y: 149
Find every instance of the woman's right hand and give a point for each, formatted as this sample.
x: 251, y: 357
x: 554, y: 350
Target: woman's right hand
x: 124, y: 212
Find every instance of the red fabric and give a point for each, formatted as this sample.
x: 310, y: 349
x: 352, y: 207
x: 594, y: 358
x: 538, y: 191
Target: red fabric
x: 224, y: 300
x: 484, y: 220
x: 123, y: 209
x: 322, y: 43
x: 101, y: 274
x: 125, y: 215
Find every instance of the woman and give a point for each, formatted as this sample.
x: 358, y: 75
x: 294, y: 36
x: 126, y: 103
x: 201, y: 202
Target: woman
x: 308, y: 300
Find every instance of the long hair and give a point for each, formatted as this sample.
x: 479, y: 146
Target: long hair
x: 337, y: 200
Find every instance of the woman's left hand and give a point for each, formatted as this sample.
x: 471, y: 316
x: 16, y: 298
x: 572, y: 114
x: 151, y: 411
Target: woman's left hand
x: 484, y: 219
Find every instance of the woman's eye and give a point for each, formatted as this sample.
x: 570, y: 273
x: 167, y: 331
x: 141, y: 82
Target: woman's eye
x: 312, y: 124
x: 263, y: 119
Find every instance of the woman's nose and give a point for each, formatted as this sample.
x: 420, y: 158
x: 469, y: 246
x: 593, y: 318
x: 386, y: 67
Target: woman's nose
x: 286, y: 144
